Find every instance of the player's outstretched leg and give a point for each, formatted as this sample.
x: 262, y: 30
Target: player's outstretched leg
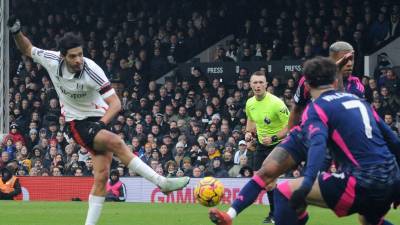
x: 219, y: 217
x: 107, y: 141
x: 278, y: 162
x: 166, y: 185
x: 247, y: 195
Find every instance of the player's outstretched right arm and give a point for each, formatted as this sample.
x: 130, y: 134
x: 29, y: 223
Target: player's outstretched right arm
x: 23, y: 43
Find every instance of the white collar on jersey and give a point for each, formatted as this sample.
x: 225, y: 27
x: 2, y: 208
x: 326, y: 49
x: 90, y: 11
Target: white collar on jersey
x: 77, y: 75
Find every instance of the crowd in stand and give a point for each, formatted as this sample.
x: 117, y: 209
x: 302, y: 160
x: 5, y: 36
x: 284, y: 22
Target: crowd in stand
x: 192, y: 126
x: 293, y: 30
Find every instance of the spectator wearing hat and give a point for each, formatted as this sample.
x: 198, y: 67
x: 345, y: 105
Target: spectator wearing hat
x: 180, y: 173
x: 155, y: 154
x: 163, y: 126
x: 179, y: 153
x: 14, y: 134
x: 241, y: 151
x: 216, y: 119
x: 116, y: 190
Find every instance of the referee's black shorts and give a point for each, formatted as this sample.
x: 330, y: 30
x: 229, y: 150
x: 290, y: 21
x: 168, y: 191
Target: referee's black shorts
x: 256, y: 158
x: 80, y: 132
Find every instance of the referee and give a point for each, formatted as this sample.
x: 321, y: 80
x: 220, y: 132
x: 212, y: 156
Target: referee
x: 267, y: 120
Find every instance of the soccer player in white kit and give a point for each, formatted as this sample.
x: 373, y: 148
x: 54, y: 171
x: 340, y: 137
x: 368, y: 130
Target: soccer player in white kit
x: 89, y: 103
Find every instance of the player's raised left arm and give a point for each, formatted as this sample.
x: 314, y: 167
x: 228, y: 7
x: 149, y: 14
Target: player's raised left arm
x: 22, y: 42
x: 114, y: 106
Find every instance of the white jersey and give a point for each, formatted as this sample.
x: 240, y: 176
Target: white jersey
x: 81, y: 95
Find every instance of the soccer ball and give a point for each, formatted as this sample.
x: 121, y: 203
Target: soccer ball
x: 209, y: 191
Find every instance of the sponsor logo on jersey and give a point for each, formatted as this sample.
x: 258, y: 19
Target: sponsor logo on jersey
x: 73, y: 95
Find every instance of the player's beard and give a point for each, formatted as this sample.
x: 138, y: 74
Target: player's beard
x: 75, y: 68
x: 346, y: 71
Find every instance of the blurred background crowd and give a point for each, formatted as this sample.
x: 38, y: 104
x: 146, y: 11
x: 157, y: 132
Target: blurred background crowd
x: 188, y: 125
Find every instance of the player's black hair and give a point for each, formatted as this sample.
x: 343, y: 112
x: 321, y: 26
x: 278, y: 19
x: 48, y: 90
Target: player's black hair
x: 319, y: 71
x: 68, y: 41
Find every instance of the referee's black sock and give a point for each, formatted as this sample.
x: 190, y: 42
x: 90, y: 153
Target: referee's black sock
x: 270, y: 195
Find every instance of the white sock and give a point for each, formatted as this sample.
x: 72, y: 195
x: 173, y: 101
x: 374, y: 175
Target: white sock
x: 141, y: 168
x: 94, y: 211
x: 231, y: 213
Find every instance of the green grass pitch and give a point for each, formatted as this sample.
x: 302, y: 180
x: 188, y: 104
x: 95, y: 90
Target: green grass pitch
x: 73, y: 213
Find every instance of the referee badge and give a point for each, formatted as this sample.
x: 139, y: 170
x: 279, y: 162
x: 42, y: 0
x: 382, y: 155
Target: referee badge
x: 267, y: 120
